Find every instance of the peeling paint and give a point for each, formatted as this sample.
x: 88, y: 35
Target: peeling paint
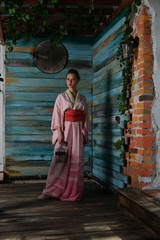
x: 154, y: 10
x: 10, y: 81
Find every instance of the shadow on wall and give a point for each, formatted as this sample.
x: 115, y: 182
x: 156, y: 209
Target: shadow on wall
x: 108, y: 133
x: 103, y: 131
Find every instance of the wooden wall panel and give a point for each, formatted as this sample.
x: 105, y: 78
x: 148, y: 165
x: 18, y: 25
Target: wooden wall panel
x: 107, y: 84
x: 30, y: 97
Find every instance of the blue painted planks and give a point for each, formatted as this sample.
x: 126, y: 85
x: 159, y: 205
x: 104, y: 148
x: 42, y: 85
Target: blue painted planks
x: 33, y: 70
x: 117, y: 23
x: 52, y: 83
x: 107, y: 84
x: 107, y: 51
x: 107, y: 179
x: 70, y: 42
x: 30, y: 97
x: 110, y: 172
x: 39, y: 96
x: 37, y: 74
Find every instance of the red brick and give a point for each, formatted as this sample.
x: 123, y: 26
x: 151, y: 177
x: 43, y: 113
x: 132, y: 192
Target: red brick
x: 148, y: 58
x: 143, y: 25
x: 147, y: 104
x: 133, y: 105
x: 143, y: 172
x: 143, y: 32
x: 140, y: 148
x: 144, y: 131
x: 146, y: 141
x: 133, y: 81
x: 144, y: 18
x: 145, y: 51
x: 132, y: 125
x: 144, y: 65
x: 138, y: 111
x: 147, y: 158
x: 146, y: 84
x: 132, y: 156
x: 134, y: 177
x: 134, y: 150
x: 132, y: 144
x: 147, y: 44
x: 145, y: 118
x: 144, y: 42
x: 140, y: 105
x: 146, y: 166
x: 145, y: 79
x: 127, y: 171
x: 146, y: 36
x: 145, y: 98
x: 145, y: 125
x: 143, y: 11
x: 133, y: 131
x: 147, y: 71
x: 135, y: 119
x: 145, y: 152
x: 133, y: 164
x: 131, y: 100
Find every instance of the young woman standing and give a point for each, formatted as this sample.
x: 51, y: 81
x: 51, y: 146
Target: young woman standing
x: 70, y: 123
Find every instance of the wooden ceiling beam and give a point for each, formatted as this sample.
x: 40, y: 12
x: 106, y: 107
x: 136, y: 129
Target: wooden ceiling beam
x: 54, y: 11
x: 86, y: 3
x: 119, y: 9
x: 103, y: 3
x: 109, y: 9
x: 123, y: 4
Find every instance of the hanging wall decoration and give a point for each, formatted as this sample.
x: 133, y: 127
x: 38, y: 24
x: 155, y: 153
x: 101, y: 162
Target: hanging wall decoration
x: 50, y: 58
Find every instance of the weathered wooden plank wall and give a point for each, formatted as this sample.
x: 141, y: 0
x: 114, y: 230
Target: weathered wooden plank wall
x: 107, y: 81
x: 30, y: 96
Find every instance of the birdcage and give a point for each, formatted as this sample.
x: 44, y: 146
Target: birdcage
x: 61, y: 154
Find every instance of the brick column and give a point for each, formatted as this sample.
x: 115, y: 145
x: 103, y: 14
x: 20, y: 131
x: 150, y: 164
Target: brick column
x: 140, y: 159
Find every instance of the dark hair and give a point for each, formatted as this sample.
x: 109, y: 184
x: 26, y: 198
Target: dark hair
x: 75, y: 72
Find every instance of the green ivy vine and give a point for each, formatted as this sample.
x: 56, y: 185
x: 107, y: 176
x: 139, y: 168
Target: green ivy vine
x: 126, y: 65
x: 36, y: 21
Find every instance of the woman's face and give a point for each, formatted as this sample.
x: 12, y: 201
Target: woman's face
x: 71, y: 81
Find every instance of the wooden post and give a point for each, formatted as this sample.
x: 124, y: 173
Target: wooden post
x: 2, y: 121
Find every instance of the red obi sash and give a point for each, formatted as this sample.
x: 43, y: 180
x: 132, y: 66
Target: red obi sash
x: 73, y: 115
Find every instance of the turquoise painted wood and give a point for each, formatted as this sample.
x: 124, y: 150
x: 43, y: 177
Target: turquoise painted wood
x: 30, y: 97
x: 107, y: 84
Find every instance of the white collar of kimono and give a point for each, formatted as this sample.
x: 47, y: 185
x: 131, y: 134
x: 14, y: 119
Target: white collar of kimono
x: 75, y: 101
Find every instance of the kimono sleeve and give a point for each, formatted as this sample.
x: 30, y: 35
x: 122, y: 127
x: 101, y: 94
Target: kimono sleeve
x: 56, y: 117
x: 86, y: 123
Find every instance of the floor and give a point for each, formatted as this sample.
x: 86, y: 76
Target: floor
x: 23, y: 217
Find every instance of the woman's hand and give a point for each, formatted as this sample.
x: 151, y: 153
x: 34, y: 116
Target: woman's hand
x: 60, y: 136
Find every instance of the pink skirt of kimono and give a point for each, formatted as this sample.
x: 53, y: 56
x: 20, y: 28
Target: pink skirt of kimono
x: 65, y: 180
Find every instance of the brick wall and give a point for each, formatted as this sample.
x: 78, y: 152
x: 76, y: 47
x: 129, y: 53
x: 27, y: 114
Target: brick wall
x: 140, y: 158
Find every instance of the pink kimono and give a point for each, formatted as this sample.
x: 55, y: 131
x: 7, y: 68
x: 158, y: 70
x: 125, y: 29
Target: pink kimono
x: 65, y: 180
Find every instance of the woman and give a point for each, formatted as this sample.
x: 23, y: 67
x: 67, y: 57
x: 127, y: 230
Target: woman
x: 70, y: 123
